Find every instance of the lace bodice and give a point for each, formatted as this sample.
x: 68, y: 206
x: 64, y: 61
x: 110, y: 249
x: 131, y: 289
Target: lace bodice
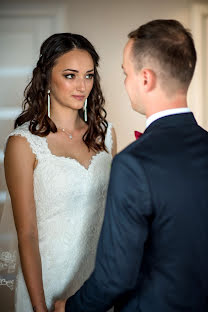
x: 70, y: 202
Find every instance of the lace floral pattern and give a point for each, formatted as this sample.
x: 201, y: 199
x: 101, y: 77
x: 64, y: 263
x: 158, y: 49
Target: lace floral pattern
x: 7, y: 283
x: 8, y: 261
x: 70, y: 201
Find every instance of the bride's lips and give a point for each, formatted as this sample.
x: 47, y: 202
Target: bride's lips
x: 79, y: 97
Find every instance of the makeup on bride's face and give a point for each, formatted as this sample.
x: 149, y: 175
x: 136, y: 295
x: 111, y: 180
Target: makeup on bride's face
x: 72, y: 79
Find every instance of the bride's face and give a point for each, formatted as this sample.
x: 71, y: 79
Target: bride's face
x: 72, y: 79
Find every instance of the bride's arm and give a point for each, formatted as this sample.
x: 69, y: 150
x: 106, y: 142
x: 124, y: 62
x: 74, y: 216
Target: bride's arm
x: 19, y: 166
x: 114, y: 147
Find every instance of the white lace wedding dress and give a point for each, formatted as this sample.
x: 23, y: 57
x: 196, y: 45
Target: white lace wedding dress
x: 70, y: 202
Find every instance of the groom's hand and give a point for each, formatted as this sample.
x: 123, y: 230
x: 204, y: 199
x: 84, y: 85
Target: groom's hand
x: 60, y: 306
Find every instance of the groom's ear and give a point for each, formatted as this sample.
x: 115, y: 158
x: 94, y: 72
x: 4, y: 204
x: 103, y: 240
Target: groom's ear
x: 148, y: 79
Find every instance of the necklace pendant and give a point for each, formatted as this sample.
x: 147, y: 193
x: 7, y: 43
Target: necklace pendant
x: 68, y: 134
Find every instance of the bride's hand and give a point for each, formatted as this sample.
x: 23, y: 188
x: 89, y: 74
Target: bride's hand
x: 60, y: 306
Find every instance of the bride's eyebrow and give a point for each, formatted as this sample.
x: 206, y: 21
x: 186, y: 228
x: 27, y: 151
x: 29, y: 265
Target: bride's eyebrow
x: 69, y: 69
x: 76, y: 71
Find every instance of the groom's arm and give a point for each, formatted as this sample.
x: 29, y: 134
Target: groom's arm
x: 121, y: 244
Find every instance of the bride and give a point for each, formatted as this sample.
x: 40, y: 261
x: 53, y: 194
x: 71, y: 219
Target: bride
x: 57, y: 165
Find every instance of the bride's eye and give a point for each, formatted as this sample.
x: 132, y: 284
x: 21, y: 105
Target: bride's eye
x: 90, y: 76
x: 69, y: 76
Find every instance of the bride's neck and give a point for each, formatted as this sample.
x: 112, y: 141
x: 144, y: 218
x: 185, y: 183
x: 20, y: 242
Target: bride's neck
x: 70, y: 120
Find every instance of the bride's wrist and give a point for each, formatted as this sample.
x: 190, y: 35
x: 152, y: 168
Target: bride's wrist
x: 40, y: 309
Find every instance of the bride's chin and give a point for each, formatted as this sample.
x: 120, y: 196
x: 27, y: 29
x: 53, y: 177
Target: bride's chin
x: 76, y: 106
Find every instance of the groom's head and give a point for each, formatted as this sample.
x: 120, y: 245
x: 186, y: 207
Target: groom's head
x: 159, y: 55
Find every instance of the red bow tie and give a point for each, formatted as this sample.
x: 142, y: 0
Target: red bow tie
x: 137, y: 134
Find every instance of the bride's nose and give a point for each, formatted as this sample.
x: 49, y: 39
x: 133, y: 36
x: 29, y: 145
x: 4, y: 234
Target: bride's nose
x: 81, y: 85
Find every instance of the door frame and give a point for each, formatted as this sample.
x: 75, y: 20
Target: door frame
x: 198, y: 92
x: 53, y: 10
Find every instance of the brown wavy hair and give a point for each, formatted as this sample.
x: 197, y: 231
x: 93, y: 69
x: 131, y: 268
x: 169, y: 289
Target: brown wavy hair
x: 35, y: 94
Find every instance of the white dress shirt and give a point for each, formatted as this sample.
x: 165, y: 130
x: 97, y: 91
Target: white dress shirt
x: 166, y: 112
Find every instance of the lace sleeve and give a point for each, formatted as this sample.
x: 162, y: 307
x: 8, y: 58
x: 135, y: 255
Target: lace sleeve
x: 108, y: 138
x: 37, y: 144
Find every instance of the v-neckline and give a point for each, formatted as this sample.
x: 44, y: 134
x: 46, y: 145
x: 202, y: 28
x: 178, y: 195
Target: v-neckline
x: 74, y: 159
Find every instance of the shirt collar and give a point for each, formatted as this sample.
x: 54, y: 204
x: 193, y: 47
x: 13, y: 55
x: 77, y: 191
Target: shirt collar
x: 166, y: 112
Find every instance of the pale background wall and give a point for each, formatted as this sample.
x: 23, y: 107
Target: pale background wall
x: 106, y: 24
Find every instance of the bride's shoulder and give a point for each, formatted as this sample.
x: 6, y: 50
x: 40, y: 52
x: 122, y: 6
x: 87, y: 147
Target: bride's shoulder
x: 21, y: 130
x: 20, y: 134
x: 109, y: 128
x: 21, y: 137
x: 110, y: 139
x: 23, y: 127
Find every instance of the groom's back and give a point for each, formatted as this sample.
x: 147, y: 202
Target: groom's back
x: 174, y: 272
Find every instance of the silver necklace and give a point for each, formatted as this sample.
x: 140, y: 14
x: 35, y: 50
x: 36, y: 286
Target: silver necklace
x: 66, y: 132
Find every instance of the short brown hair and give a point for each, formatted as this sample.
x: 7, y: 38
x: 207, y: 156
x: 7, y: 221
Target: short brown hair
x: 168, y: 43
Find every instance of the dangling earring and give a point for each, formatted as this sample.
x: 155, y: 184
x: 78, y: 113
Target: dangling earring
x: 49, y: 104
x: 85, y: 110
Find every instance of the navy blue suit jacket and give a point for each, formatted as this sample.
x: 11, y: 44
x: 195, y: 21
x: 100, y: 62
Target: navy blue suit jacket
x: 153, y: 250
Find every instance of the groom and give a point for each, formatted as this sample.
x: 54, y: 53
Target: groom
x: 153, y: 250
